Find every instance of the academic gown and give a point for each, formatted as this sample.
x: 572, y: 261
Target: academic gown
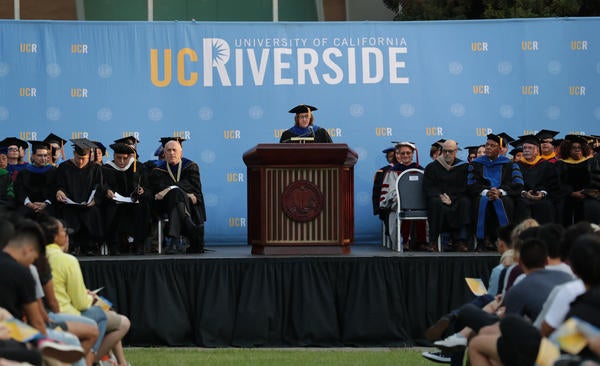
x: 320, y: 134
x: 7, y: 194
x: 437, y: 180
x: 377, y: 183
x: 500, y: 173
x: 189, y: 182
x: 78, y: 185
x: 541, y: 176
x: 39, y: 185
x: 576, y: 176
x: 127, y: 218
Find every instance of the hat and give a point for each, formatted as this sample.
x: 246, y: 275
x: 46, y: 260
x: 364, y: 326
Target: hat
x: 389, y: 149
x: 506, y: 137
x: 4, y: 150
x: 546, y: 134
x: 100, y: 146
x: 159, y: 150
x: 302, y: 108
x: 577, y: 138
x: 398, y: 144
x: 122, y: 148
x: 82, y: 146
x: 473, y: 149
x: 35, y: 145
x: 516, y: 150
x: 528, y: 139
x: 52, y: 138
x: 557, y: 142
x: 164, y: 140
x: 438, y: 143
x: 499, y: 139
x: 10, y: 141
x: 130, y: 140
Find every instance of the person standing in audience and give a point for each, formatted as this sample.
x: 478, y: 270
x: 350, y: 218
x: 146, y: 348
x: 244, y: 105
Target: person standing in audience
x: 79, y: 187
x: 35, y: 185
x: 574, y: 174
x: 177, y: 189
x: 123, y: 176
x: 493, y: 181
x: 405, y: 152
x: 448, y: 202
x: 540, y: 191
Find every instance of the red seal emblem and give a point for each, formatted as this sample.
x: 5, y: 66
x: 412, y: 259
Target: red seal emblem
x: 302, y: 201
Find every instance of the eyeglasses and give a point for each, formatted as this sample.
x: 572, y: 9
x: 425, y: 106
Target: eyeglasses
x: 404, y: 153
x: 13, y: 149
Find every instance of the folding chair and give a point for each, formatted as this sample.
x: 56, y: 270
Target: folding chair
x: 412, y: 202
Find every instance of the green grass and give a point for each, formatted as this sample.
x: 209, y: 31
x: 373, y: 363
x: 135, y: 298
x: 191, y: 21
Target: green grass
x: 274, y: 357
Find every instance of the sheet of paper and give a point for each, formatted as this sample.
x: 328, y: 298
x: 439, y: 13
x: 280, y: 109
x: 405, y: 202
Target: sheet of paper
x: 476, y: 286
x: 20, y: 331
x: 122, y: 199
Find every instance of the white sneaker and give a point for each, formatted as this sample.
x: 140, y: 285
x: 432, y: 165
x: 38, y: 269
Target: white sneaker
x: 453, y: 343
x: 439, y: 357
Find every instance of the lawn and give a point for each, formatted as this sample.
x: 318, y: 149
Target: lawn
x: 272, y: 357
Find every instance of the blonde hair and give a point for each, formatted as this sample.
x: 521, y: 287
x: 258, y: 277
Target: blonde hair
x: 514, y: 236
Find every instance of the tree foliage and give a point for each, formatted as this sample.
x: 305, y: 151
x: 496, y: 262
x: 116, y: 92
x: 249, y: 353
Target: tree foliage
x: 490, y: 9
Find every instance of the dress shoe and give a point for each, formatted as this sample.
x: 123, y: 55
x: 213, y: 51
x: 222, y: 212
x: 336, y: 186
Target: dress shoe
x: 436, y: 331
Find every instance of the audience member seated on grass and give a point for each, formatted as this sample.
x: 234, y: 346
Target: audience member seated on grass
x: 437, y: 330
x: 74, y: 298
x: 494, y: 182
x: 517, y: 342
x: 524, y: 299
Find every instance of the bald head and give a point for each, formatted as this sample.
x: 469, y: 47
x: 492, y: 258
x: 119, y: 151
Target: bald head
x: 173, y: 152
x: 449, y: 149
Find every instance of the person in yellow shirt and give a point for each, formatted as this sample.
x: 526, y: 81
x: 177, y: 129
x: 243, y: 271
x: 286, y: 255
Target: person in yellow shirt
x: 74, y: 298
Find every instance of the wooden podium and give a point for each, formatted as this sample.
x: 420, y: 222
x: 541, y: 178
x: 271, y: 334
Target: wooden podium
x: 300, y: 198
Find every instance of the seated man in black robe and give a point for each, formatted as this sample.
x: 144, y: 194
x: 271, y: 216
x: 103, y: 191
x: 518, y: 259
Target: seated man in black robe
x: 448, y: 203
x: 36, y: 184
x: 126, y: 211
x: 79, y: 189
x: 494, y: 182
x: 304, y: 126
x: 178, y: 190
x: 541, y: 186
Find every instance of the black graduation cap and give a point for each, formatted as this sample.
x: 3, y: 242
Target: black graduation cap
x: 35, y: 145
x: 82, y: 146
x: 389, y: 149
x: 557, y: 142
x: 499, y: 139
x: 159, y: 150
x: 518, y: 142
x: 10, y: 141
x: 516, y: 150
x: 577, y: 138
x: 506, y: 137
x: 100, y: 146
x: 52, y: 138
x: 130, y: 140
x: 122, y: 148
x: 438, y: 143
x: 4, y: 150
x: 546, y: 134
x: 529, y: 139
x: 164, y: 140
x: 303, y: 108
x: 473, y: 149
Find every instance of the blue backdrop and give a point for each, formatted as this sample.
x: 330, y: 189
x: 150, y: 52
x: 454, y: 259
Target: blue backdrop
x: 227, y: 86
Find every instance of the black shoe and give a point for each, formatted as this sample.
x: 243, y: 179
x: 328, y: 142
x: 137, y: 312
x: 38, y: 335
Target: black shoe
x: 436, y: 331
x: 439, y: 357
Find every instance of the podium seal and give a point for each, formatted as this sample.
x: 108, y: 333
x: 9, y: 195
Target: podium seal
x: 302, y: 201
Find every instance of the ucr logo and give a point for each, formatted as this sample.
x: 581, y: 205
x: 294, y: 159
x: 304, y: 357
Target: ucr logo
x: 434, y: 131
x: 383, y: 131
x: 483, y: 131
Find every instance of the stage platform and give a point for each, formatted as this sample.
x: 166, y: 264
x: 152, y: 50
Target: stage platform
x: 228, y: 297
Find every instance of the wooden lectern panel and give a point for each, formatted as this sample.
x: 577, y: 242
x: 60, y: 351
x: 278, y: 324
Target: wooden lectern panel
x: 300, y: 198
